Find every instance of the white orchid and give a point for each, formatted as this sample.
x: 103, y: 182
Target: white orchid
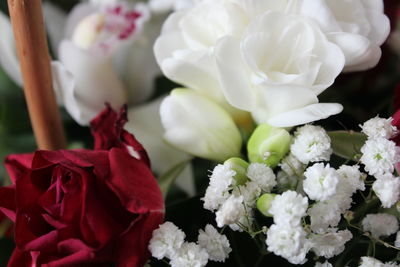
x: 87, y: 76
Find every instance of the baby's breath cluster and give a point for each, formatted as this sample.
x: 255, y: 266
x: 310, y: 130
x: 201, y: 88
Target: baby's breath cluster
x: 168, y: 242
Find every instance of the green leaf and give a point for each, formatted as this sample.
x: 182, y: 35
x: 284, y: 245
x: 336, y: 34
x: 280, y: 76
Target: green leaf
x: 347, y: 144
x: 168, y: 178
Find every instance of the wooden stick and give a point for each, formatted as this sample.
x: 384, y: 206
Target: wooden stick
x: 29, y: 32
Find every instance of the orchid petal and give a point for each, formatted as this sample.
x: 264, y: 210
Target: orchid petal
x: 8, y: 56
x: 96, y: 82
x: 55, y: 19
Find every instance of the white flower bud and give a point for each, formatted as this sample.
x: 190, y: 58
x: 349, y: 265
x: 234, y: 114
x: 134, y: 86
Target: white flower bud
x: 196, y: 125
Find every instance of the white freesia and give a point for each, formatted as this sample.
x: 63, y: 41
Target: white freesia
x: 196, y: 125
x: 358, y: 27
x: 280, y: 57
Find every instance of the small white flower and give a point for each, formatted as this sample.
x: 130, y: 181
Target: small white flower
x: 166, y: 241
x: 244, y: 222
x: 321, y: 181
x: 262, y: 175
x: 288, y: 242
x: 379, y: 156
x: 370, y: 262
x: 324, y: 215
x: 311, y: 143
x: 325, y: 264
x: 352, y: 177
x: 289, y: 208
x: 217, y: 193
x: 250, y: 192
x: 387, y: 188
x: 190, y: 255
x: 230, y: 212
x: 397, y: 242
x: 379, y: 127
x: 286, y: 182
x: 330, y: 244
x: 380, y: 224
x: 216, y: 245
x: 292, y: 166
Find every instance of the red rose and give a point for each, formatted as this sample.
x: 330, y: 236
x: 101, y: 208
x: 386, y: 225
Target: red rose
x: 83, y: 207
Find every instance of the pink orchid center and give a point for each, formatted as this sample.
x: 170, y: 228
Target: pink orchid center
x: 107, y: 29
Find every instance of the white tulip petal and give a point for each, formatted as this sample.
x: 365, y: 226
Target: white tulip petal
x: 96, y: 82
x: 8, y: 56
x: 305, y: 115
x: 145, y: 123
x: 55, y: 20
x: 234, y: 78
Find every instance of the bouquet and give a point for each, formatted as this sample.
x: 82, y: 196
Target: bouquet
x: 225, y: 133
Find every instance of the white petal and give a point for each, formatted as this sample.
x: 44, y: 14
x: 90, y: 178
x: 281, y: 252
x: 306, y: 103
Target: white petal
x: 234, y: 74
x: 136, y: 64
x: 78, y: 13
x: 145, y: 123
x: 306, y: 115
x: 55, y: 19
x: 95, y: 79
x: 8, y: 56
x: 197, y: 125
x: 278, y: 99
x: 196, y: 70
x: 319, y: 11
x: 369, y: 60
x: 64, y: 87
x: 380, y: 24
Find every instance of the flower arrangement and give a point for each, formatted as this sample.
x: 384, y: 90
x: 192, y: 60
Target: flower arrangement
x: 224, y: 133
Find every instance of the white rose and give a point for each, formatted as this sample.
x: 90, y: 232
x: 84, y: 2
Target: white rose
x: 278, y: 68
x: 197, y: 125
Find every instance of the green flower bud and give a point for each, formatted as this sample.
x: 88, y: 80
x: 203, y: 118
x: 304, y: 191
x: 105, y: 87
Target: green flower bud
x: 268, y: 145
x: 264, y: 203
x: 240, y: 167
